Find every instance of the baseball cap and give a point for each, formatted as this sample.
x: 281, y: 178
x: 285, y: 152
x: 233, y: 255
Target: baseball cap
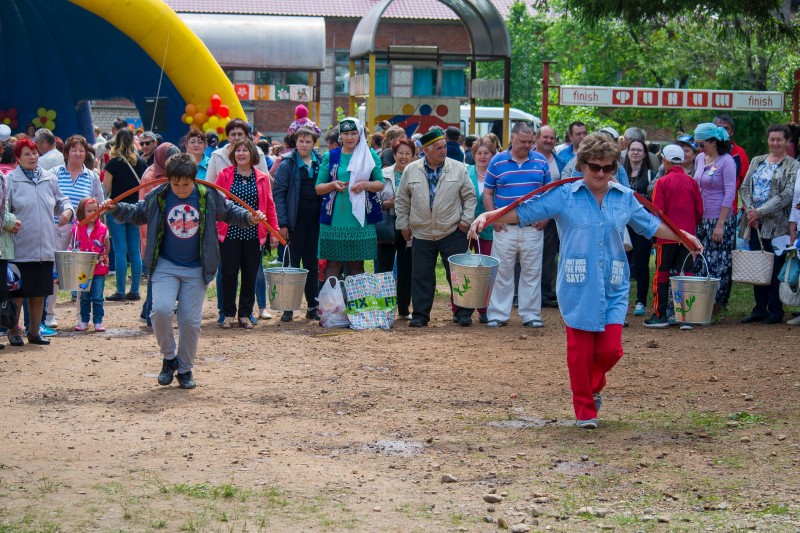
x: 5, y: 133
x: 688, y: 139
x: 672, y: 153
x: 611, y: 131
x: 148, y: 135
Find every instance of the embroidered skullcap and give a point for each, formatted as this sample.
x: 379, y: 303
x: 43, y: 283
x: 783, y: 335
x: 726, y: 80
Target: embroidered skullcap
x: 433, y: 135
x: 348, y: 124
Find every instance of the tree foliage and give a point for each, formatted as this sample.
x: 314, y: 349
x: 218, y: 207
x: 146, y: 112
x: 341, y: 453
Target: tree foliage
x: 634, y: 44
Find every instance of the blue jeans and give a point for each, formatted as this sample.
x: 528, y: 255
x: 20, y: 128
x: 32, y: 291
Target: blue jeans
x: 127, y: 243
x: 92, y: 300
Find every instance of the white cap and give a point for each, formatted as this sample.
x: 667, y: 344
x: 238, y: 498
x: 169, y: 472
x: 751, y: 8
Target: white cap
x: 611, y: 131
x: 5, y: 133
x: 672, y: 153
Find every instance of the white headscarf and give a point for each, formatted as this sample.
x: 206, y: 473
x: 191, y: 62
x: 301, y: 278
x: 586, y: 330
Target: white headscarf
x: 360, y: 169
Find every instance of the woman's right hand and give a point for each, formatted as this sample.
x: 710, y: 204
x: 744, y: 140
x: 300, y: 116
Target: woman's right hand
x: 340, y: 186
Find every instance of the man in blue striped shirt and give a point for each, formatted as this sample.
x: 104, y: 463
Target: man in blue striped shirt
x: 512, y: 174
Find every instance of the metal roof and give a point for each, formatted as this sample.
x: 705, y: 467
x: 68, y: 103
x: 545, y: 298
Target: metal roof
x: 261, y: 41
x: 486, y: 27
x: 400, y: 9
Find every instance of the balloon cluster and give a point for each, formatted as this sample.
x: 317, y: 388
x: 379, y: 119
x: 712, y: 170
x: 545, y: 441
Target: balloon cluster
x: 45, y: 118
x: 9, y: 118
x: 215, y: 117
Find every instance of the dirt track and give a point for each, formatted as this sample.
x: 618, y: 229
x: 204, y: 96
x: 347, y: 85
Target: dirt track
x: 295, y: 428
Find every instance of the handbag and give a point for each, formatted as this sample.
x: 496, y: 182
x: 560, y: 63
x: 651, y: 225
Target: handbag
x: 385, y: 228
x: 753, y: 267
x: 8, y: 314
x: 788, y: 291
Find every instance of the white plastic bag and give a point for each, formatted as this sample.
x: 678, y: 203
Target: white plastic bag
x: 332, y: 308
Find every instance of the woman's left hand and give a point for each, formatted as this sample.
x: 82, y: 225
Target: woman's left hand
x: 18, y: 225
x: 388, y: 204
x: 752, y: 216
x: 360, y: 186
x: 65, y: 217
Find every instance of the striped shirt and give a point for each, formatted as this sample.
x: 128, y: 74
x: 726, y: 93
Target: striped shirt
x: 85, y: 185
x: 510, y: 180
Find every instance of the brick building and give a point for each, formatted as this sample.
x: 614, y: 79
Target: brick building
x: 405, y: 23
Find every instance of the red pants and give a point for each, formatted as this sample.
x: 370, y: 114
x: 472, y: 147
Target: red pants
x: 590, y: 355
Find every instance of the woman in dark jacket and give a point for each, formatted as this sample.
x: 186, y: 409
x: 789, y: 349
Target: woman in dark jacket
x: 641, y: 174
x: 298, y: 204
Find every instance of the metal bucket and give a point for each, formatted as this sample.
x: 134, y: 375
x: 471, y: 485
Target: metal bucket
x: 285, y: 286
x: 694, y: 296
x: 75, y: 269
x: 472, y: 278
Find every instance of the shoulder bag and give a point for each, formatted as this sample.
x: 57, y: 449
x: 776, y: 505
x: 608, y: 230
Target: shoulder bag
x: 788, y: 289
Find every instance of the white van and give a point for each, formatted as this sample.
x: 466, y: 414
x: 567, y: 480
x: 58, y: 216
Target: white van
x: 490, y: 120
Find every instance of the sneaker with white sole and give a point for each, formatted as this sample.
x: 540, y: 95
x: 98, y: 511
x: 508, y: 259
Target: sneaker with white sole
x: 51, y: 323
x: 794, y: 321
x: 496, y: 323
x: 99, y: 328
x: 686, y: 327
x: 535, y: 323
x: 639, y: 309
x: 587, y: 424
x: 656, y: 322
x: 81, y: 326
x: 45, y: 331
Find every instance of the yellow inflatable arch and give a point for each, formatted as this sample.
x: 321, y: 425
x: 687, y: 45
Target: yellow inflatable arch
x: 166, y: 39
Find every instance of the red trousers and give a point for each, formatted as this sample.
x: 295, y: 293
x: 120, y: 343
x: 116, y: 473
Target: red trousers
x: 590, y: 355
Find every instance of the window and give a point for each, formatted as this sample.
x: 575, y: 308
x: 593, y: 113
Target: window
x: 453, y: 82
x: 342, y: 74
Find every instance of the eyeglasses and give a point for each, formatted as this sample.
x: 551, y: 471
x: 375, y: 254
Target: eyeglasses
x: 196, y: 141
x: 607, y: 169
x: 700, y: 145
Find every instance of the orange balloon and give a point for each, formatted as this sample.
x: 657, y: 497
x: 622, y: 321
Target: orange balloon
x: 184, y: 117
x: 191, y: 109
x: 199, y: 118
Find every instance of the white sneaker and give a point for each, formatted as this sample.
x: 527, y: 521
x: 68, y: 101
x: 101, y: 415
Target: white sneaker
x: 51, y: 323
x: 264, y: 314
x: 794, y: 322
x: 686, y: 327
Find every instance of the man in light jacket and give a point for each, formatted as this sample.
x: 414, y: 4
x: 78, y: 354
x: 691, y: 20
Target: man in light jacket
x: 435, y: 204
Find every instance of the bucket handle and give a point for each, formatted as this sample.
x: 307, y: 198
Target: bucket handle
x: 469, y: 249
x: 683, y: 266
x: 283, y: 260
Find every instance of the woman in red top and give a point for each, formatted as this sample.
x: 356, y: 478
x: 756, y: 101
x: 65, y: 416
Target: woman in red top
x: 240, y: 248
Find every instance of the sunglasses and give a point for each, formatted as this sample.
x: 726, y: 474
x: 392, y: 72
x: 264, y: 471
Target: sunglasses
x: 607, y: 169
x: 146, y: 143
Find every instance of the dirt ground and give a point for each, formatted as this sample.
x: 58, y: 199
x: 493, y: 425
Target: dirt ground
x: 296, y: 428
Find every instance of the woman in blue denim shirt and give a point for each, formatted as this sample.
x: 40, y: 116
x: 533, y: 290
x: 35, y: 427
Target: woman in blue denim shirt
x: 593, y: 272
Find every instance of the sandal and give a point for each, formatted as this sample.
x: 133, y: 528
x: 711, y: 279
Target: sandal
x: 245, y: 323
x: 228, y: 324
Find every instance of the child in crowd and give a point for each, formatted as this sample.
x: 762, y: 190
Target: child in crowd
x: 181, y: 257
x: 93, y: 237
x: 678, y: 196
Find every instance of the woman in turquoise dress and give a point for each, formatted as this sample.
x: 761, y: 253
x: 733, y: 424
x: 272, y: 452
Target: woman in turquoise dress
x: 349, y: 179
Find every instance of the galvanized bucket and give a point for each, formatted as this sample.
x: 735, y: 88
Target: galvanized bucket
x: 694, y: 296
x: 75, y: 269
x: 472, y: 278
x: 285, y: 286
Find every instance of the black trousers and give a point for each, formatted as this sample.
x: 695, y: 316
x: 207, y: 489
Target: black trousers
x: 669, y: 257
x: 423, y: 267
x: 640, y: 264
x: 768, y: 301
x: 550, y: 261
x: 303, y: 246
x: 386, y: 256
x: 244, y: 256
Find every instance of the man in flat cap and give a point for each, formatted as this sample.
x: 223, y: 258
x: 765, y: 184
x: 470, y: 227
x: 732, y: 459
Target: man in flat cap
x: 435, y: 205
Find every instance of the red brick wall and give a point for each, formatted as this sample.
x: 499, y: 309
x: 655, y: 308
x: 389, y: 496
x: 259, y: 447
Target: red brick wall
x: 449, y: 37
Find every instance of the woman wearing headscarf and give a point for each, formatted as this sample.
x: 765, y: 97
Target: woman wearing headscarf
x: 34, y: 197
x: 349, y: 179
x: 766, y: 194
x: 716, y: 175
x: 155, y: 171
x: 123, y: 172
